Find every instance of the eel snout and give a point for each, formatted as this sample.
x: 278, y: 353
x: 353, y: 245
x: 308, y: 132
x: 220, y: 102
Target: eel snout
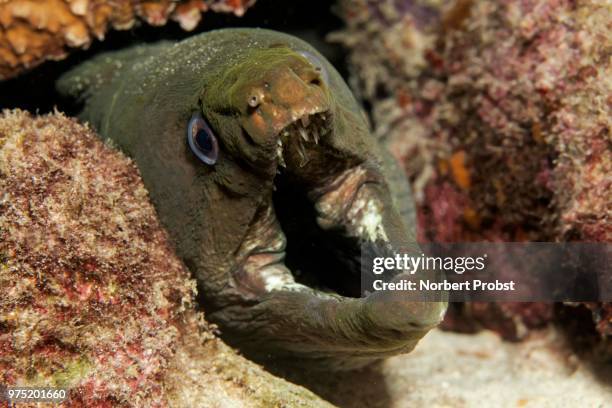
x: 288, y: 92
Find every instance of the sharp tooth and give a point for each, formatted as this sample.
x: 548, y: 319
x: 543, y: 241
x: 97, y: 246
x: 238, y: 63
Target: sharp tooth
x: 303, y: 133
x: 323, y: 117
x: 279, y: 153
x: 305, y: 120
x: 302, y: 152
x: 315, y: 134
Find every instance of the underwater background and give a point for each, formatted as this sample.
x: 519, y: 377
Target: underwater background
x: 498, y: 112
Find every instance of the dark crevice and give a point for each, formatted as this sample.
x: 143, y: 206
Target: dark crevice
x: 325, y: 260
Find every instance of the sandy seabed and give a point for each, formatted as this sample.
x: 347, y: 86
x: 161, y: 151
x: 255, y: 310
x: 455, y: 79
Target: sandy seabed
x: 483, y: 371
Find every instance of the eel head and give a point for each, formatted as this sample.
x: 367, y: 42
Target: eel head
x: 321, y: 197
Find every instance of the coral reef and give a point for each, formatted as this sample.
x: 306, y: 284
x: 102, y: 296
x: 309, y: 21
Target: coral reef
x: 500, y: 112
x: 34, y: 31
x: 93, y: 297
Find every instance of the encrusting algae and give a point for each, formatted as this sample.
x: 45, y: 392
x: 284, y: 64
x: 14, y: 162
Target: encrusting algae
x: 500, y: 112
x: 93, y: 298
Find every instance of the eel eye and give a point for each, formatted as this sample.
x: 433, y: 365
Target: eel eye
x: 202, y: 140
x: 317, y: 64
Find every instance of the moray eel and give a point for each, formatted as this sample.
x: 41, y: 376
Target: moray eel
x: 263, y: 170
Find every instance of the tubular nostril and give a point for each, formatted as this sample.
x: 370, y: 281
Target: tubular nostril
x: 254, y: 101
x: 315, y: 81
x: 255, y: 97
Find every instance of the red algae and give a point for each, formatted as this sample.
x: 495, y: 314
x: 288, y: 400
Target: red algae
x: 93, y: 298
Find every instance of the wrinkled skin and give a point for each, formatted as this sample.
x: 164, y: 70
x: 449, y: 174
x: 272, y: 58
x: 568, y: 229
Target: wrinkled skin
x: 334, y: 188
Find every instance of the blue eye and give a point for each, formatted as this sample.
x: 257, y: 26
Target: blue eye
x: 317, y: 64
x: 202, y: 140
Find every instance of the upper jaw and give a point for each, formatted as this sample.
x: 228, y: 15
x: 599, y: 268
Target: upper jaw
x: 300, y: 134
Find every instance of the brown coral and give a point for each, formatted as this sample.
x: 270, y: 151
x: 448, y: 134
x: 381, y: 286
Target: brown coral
x: 499, y: 110
x: 34, y: 31
x: 93, y: 298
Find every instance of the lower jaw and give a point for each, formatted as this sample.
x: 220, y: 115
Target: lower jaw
x: 306, y: 309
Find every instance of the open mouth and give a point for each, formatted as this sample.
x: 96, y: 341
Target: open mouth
x: 315, y: 226
x: 299, y: 280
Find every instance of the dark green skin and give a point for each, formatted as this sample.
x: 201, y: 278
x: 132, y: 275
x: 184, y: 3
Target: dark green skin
x: 220, y: 217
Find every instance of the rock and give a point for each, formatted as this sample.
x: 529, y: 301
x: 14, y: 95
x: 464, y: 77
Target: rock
x: 500, y: 113
x: 34, y: 31
x: 93, y: 297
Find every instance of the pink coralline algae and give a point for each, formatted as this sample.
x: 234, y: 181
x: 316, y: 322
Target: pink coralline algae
x: 500, y: 112
x: 93, y: 298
